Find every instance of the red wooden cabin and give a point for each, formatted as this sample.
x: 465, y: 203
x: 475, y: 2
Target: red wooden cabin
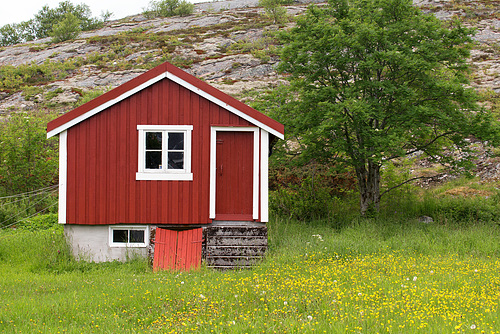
x: 162, y: 150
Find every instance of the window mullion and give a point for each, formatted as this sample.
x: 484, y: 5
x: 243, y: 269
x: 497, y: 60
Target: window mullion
x: 164, y: 151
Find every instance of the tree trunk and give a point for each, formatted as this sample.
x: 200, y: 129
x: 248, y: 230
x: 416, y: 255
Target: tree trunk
x: 369, y: 187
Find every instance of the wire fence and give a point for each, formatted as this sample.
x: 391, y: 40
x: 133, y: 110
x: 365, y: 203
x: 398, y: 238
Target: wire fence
x: 34, y: 198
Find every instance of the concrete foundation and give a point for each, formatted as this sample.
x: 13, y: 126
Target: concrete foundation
x: 92, y: 243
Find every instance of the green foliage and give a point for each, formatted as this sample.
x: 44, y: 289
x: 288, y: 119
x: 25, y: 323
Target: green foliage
x: 16, y: 211
x: 21, y: 76
x: 66, y: 29
x: 39, y: 222
x: 47, y: 18
x: 29, y: 159
x: 372, y: 81
x: 309, y: 192
x: 305, y: 202
x: 274, y: 10
x: 462, y: 211
x: 462, y: 202
x: 11, y: 34
x: 62, y: 23
x: 166, y: 8
x: 184, y: 8
x: 88, y: 96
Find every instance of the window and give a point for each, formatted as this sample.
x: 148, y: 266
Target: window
x: 164, y: 152
x: 128, y: 236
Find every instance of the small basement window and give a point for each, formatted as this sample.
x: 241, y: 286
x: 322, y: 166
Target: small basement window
x: 164, y: 152
x: 128, y: 236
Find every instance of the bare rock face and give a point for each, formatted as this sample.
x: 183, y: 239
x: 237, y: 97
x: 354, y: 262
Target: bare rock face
x: 225, y: 43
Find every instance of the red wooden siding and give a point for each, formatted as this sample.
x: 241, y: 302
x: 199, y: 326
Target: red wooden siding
x: 177, y: 250
x: 234, y: 176
x: 103, y: 153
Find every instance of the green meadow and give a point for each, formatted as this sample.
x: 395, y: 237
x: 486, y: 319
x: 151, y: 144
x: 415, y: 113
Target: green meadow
x: 387, y: 274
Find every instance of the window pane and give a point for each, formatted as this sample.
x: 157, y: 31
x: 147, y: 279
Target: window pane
x: 176, y: 141
x: 153, y: 140
x: 120, y: 236
x: 175, y: 160
x: 153, y: 160
x: 137, y: 236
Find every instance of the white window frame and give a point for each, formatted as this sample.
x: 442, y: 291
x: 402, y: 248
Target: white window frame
x: 164, y: 174
x: 144, y: 228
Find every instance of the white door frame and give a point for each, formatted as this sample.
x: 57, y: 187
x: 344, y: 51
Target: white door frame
x: 213, y: 157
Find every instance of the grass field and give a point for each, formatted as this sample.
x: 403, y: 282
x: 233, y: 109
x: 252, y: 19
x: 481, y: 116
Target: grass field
x: 370, y: 276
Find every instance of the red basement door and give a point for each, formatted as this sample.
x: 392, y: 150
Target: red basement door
x: 177, y: 250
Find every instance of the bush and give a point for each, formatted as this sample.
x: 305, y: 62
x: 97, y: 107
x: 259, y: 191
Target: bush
x: 29, y: 159
x: 304, y: 202
x: 68, y: 28
x: 274, y: 10
x: 91, y: 94
x: 40, y: 222
x: 461, y: 210
x: 166, y: 8
x: 185, y: 8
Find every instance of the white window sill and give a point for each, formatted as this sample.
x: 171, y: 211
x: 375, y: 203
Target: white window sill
x: 164, y: 176
x: 127, y: 245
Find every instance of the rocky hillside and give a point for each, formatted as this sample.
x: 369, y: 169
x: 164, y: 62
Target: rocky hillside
x: 229, y: 44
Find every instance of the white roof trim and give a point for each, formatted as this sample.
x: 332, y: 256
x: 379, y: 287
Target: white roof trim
x: 148, y: 83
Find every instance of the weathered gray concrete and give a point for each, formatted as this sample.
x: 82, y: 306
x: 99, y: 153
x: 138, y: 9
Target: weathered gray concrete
x: 91, y: 243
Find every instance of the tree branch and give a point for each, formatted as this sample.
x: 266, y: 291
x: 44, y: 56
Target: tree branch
x: 420, y: 148
x: 411, y: 180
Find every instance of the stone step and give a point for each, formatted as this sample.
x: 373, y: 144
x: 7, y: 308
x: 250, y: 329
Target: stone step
x: 236, y: 250
x: 236, y: 241
x: 236, y: 246
x: 235, y: 231
x: 234, y: 261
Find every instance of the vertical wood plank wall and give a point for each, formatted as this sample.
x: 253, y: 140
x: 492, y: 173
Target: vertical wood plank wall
x: 102, y: 160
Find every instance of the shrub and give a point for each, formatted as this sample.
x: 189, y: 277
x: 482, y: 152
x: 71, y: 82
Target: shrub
x: 274, y: 10
x: 185, y: 8
x: 306, y: 201
x: 39, y: 222
x: 68, y: 28
x: 91, y: 94
x: 460, y: 210
x: 29, y: 159
x: 166, y: 8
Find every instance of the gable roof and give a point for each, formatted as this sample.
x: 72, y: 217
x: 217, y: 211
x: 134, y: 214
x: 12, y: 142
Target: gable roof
x: 171, y: 72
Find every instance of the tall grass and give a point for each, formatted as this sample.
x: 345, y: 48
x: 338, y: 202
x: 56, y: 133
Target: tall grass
x: 378, y: 275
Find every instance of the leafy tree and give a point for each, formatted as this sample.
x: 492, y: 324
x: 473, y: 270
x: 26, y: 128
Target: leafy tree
x: 47, y: 18
x: 376, y: 80
x: 45, y: 22
x: 11, y: 34
x: 68, y: 28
